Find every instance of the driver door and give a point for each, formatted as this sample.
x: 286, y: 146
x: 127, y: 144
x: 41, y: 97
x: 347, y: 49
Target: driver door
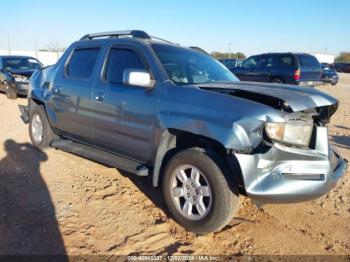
x: 249, y: 69
x: 124, y: 116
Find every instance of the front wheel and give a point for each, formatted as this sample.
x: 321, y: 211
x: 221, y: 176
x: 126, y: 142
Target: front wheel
x: 196, y: 191
x: 40, y: 131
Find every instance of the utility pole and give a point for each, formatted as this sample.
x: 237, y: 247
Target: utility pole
x: 36, y: 47
x: 8, y: 44
x: 229, y: 50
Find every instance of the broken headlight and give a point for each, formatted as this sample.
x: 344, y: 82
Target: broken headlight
x: 294, y: 133
x: 20, y: 78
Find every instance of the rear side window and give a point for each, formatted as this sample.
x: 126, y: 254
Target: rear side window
x: 118, y: 61
x: 308, y: 61
x: 285, y: 61
x: 82, y: 62
x: 267, y: 61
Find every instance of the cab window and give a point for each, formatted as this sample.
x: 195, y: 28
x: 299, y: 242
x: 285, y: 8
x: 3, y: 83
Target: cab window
x: 118, y: 60
x: 82, y: 62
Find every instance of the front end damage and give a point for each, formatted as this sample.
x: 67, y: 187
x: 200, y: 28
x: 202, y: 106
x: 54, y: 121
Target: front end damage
x: 282, y: 171
x: 289, y: 174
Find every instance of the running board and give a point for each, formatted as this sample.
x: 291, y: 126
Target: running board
x: 101, y: 156
x: 24, y: 113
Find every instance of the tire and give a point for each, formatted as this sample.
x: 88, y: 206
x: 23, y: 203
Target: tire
x: 10, y: 93
x: 40, y: 131
x: 221, y: 203
x: 277, y: 81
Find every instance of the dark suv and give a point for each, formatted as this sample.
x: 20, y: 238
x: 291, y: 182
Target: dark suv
x: 15, y: 72
x: 231, y: 63
x: 179, y: 116
x: 287, y: 68
x: 342, y: 67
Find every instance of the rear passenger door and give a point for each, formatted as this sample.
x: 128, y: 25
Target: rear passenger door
x: 71, y: 94
x: 265, y: 68
x: 125, y: 117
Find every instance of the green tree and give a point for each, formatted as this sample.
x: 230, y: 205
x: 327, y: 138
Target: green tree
x: 343, y: 57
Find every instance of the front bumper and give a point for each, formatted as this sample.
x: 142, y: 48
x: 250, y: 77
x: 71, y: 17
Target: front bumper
x: 332, y: 80
x: 285, y: 174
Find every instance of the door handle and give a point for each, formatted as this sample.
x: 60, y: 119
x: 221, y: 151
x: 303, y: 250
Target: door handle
x: 99, y: 98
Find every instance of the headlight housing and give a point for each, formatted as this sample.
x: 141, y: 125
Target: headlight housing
x: 20, y: 78
x: 294, y: 133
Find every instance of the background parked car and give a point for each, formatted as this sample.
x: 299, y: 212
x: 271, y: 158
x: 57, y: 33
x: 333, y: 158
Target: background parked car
x: 231, y: 63
x: 342, y: 67
x: 329, y: 74
x: 288, y: 68
x: 15, y: 72
x: 346, y: 68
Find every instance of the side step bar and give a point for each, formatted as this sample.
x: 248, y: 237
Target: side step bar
x: 94, y: 154
x: 24, y: 113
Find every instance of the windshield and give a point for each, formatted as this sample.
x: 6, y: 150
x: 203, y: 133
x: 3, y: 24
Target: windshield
x: 185, y: 66
x: 21, y: 63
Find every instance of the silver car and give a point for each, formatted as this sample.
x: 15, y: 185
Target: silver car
x: 179, y: 116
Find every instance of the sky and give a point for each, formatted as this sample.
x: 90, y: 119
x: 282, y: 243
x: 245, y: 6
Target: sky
x: 249, y: 26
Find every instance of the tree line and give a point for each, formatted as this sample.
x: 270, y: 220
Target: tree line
x: 343, y: 57
x: 219, y: 55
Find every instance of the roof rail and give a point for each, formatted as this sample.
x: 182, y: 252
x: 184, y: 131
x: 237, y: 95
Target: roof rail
x: 163, y: 40
x: 133, y: 33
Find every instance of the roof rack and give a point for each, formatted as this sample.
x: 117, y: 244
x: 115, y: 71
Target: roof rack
x: 133, y: 33
x: 163, y: 40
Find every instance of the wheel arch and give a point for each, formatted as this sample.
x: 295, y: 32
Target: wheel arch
x: 35, y: 101
x: 280, y: 78
x: 175, y: 140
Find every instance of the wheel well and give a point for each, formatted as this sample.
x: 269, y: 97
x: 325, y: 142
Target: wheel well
x: 36, y: 101
x: 179, y: 140
x: 277, y: 78
x: 187, y: 140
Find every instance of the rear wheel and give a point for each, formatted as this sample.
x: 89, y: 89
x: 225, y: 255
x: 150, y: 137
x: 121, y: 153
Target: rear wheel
x: 196, y: 191
x: 40, y: 131
x: 10, y: 93
x: 276, y: 80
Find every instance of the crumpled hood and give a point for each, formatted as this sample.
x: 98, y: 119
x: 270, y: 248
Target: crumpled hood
x: 297, y: 98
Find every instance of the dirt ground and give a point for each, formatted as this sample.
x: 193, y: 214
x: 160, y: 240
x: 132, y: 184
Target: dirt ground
x: 53, y: 202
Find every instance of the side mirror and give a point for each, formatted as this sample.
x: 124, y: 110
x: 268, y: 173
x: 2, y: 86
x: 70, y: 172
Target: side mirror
x: 138, y: 77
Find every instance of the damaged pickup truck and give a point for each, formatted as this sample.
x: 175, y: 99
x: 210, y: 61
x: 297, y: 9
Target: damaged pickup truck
x: 175, y: 114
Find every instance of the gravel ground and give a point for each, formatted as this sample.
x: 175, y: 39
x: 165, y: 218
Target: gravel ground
x: 53, y: 202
